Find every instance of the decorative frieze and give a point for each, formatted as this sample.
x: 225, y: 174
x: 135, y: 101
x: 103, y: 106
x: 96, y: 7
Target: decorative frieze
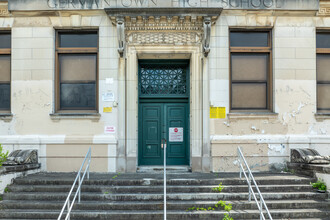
x: 4, y: 11
x: 161, y: 38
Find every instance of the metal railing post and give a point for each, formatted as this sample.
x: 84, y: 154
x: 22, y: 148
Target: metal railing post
x: 261, y: 209
x: 79, y: 181
x: 164, y: 178
x: 250, y: 180
x: 79, y: 178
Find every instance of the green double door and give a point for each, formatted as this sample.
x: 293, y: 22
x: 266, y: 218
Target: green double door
x: 164, y: 121
x: 163, y: 112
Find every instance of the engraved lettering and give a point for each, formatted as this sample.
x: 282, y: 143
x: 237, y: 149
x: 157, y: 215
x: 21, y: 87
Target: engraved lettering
x: 268, y: 3
x: 139, y: 1
x: 246, y: 2
x: 154, y: 1
x: 256, y: 3
x: 72, y: 3
x: 107, y: 2
x: 126, y: 3
x: 51, y: 4
x: 63, y: 3
x: 224, y: 3
x: 192, y: 3
x: 233, y: 3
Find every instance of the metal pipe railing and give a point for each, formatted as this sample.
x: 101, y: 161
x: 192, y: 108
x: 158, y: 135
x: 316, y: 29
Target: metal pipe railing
x: 80, y: 180
x: 262, y: 203
x: 164, y: 147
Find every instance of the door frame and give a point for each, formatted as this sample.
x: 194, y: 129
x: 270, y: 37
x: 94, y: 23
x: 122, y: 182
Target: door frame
x: 200, y: 159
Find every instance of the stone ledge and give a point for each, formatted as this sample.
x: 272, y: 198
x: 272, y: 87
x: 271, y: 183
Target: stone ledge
x: 6, y: 117
x: 18, y: 168
x: 91, y: 116
x: 254, y: 115
x: 310, y: 168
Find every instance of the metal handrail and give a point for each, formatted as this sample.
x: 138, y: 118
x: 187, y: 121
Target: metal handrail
x: 164, y: 147
x: 260, y: 203
x: 80, y: 180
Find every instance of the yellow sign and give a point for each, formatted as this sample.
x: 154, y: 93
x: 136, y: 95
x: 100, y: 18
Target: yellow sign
x: 217, y: 112
x: 107, y: 109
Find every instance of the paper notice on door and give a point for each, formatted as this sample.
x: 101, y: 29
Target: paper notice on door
x: 176, y: 134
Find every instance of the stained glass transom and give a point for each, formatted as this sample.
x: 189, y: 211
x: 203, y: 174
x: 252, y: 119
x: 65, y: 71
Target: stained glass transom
x: 161, y: 80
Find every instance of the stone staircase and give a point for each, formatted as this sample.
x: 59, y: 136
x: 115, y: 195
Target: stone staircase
x: 139, y: 196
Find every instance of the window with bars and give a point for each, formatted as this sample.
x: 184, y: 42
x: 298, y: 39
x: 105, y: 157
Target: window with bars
x: 163, y: 79
x: 323, y: 71
x: 5, y: 76
x: 250, y: 70
x: 76, y: 73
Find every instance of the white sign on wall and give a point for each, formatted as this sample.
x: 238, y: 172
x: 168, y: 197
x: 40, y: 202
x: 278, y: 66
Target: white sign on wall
x: 176, y: 134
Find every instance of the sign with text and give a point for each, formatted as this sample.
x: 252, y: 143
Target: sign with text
x: 176, y: 134
x: 217, y: 112
x: 33, y: 5
x: 107, y: 109
x: 109, y: 129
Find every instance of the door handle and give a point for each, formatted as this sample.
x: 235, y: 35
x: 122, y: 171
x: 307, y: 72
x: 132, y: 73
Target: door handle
x: 163, y: 144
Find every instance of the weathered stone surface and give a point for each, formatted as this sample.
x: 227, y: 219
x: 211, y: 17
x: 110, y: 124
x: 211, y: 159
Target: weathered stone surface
x: 27, y: 5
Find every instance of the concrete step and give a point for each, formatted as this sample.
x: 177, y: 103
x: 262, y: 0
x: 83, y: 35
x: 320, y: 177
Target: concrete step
x: 158, y: 205
x: 146, y: 215
x: 155, y: 189
x: 156, y: 196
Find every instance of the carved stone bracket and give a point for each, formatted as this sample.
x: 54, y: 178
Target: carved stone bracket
x: 121, y: 35
x: 207, y: 35
x: 163, y: 26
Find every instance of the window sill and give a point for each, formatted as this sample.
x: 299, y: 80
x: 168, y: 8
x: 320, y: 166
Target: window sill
x: 6, y: 117
x: 322, y: 116
x: 254, y: 115
x: 90, y: 116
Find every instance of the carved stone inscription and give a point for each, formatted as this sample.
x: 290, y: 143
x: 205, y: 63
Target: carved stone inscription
x: 27, y: 5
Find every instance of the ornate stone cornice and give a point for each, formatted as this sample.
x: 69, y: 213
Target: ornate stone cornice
x: 324, y: 8
x: 4, y: 9
x: 164, y: 26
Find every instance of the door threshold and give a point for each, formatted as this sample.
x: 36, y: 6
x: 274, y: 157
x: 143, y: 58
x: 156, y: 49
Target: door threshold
x: 160, y: 169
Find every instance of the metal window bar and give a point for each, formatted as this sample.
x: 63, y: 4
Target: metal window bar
x: 261, y: 204
x: 79, y: 178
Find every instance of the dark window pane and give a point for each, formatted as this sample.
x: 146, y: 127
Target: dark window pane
x: 323, y: 40
x: 78, y: 39
x: 249, y: 39
x: 4, y: 96
x: 5, y: 41
x: 249, y: 96
x: 323, y: 67
x: 249, y: 66
x: 323, y: 97
x: 78, y: 96
x: 4, y: 68
x: 74, y: 67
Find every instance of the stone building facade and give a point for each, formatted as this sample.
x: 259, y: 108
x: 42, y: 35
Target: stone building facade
x: 207, y: 75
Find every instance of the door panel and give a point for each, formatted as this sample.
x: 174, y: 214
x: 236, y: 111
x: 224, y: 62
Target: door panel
x: 176, y: 117
x: 150, y: 152
x: 155, y: 124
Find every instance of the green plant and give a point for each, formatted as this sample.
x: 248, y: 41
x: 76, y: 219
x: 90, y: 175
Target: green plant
x: 106, y: 192
x: 1, y: 198
x: 6, y: 190
x: 219, y: 188
x: 3, y: 155
x: 319, y: 184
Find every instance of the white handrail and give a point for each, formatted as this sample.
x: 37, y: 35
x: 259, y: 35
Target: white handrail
x: 164, y: 147
x: 80, y: 180
x: 251, y: 192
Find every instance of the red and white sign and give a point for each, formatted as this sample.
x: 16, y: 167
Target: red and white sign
x: 109, y: 129
x: 176, y: 134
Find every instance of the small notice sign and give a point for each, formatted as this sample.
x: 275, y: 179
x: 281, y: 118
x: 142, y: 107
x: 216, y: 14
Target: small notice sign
x: 217, y: 112
x: 108, y: 97
x: 176, y: 134
x: 109, y: 129
x: 107, y: 109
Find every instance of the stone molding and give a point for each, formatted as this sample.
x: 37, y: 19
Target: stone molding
x: 324, y: 8
x: 4, y: 10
